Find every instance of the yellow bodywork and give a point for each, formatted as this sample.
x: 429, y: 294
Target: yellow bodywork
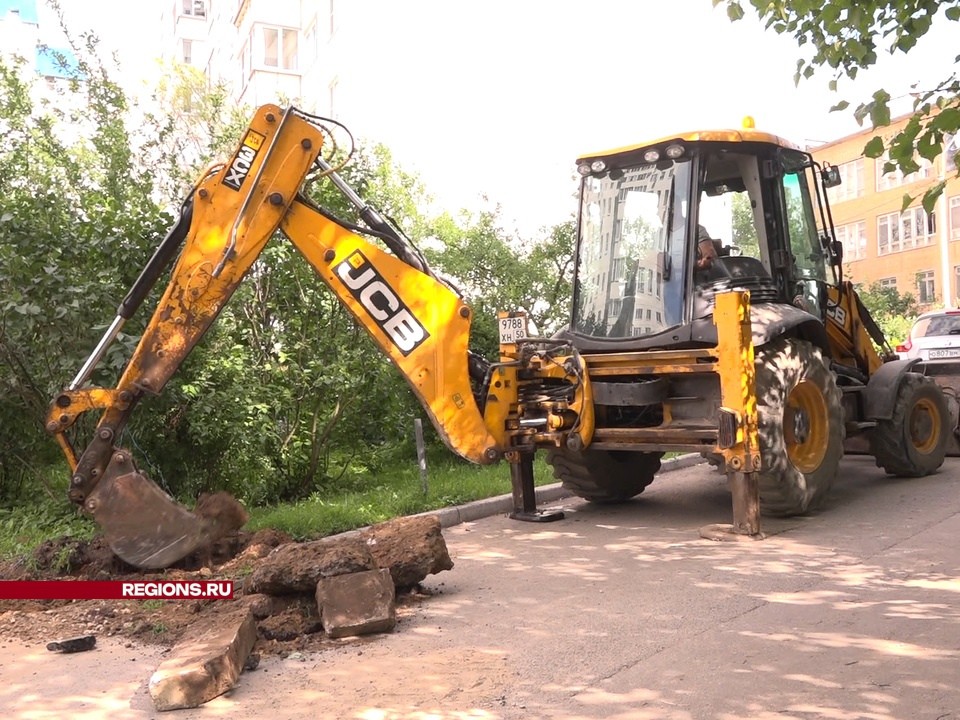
x: 422, y: 325
x: 743, y: 135
x: 850, y: 343
x: 737, y: 389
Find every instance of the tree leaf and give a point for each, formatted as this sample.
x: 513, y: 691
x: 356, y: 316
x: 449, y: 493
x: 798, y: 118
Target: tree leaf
x: 931, y: 195
x: 880, y: 109
x: 947, y: 120
x: 734, y: 11
x: 874, y: 147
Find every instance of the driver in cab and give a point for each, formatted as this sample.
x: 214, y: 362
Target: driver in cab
x: 708, y: 249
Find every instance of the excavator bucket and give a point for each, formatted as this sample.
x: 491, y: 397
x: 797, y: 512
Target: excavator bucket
x: 142, y: 524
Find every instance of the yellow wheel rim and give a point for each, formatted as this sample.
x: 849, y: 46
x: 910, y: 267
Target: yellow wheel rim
x: 806, y: 423
x: 924, y: 426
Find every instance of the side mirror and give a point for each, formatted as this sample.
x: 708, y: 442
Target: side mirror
x: 837, y: 248
x: 831, y: 176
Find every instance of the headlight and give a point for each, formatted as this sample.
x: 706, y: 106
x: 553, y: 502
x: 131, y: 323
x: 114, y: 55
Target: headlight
x: 651, y: 156
x: 583, y: 169
x: 674, y: 151
x: 598, y: 166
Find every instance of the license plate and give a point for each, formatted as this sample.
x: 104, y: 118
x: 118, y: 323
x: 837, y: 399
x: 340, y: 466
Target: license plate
x: 512, y: 329
x: 943, y: 353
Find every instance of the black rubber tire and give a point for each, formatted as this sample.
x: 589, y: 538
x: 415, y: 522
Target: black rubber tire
x: 604, y: 476
x: 913, y: 442
x: 796, y: 474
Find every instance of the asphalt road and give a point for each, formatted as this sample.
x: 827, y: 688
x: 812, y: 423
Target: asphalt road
x: 621, y: 612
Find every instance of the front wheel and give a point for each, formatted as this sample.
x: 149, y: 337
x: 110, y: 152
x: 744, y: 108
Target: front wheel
x: 913, y: 442
x: 801, y: 431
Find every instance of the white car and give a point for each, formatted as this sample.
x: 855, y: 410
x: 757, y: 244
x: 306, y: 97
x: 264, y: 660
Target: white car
x: 934, y: 336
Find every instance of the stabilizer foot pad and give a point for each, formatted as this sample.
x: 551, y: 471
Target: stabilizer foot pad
x: 726, y: 533
x: 537, y: 516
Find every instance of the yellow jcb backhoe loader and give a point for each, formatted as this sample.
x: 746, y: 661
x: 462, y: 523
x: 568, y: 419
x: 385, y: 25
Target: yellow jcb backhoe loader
x: 753, y: 357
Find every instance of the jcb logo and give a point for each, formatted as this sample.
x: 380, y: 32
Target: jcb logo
x: 838, y: 314
x: 243, y: 161
x: 379, y: 299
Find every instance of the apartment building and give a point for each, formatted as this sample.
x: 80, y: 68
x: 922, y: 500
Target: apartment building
x: 911, y: 250
x: 261, y: 50
x: 29, y: 34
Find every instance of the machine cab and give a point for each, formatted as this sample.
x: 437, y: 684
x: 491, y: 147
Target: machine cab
x: 666, y: 225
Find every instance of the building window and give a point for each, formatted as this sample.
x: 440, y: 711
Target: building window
x: 917, y: 228
x: 925, y: 287
x: 896, y: 178
x: 888, y: 283
x: 956, y: 279
x: 888, y: 233
x: 618, y: 267
x: 280, y: 48
x: 853, y: 237
x: 187, y: 51
x: 196, y: 8
x: 903, y: 231
x: 851, y: 182
x: 953, y: 211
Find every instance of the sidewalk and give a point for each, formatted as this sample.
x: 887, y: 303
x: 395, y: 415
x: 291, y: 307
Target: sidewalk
x: 503, y: 504
x: 617, y: 613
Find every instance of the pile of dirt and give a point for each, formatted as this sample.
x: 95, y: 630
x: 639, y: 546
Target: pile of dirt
x: 163, y: 622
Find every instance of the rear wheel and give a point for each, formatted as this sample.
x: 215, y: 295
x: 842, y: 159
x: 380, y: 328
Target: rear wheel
x: 800, y: 426
x: 913, y: 442
x: 604, y: 476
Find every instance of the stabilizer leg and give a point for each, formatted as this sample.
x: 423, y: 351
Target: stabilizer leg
x: 745, y: 489
x: 524, y: 492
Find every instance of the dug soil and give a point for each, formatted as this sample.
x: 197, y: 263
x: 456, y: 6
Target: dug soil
x: 294, y: 627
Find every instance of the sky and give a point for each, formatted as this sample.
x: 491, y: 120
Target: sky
x: 497, y: 99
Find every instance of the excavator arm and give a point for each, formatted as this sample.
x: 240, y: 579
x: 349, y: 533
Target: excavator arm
x: 415, y: 318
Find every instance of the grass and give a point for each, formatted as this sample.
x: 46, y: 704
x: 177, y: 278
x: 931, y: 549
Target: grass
x: 25, y: 527
x: 392, y: 494
x: 369, y: 500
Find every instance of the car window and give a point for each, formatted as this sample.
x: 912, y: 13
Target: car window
x: 936, y: 325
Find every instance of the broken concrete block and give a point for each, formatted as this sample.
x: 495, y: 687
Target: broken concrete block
x: 73, y: 645
x: 298, y: 567
x: 357, y: 604
x: 207, y: 661
x: 410, y: 547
